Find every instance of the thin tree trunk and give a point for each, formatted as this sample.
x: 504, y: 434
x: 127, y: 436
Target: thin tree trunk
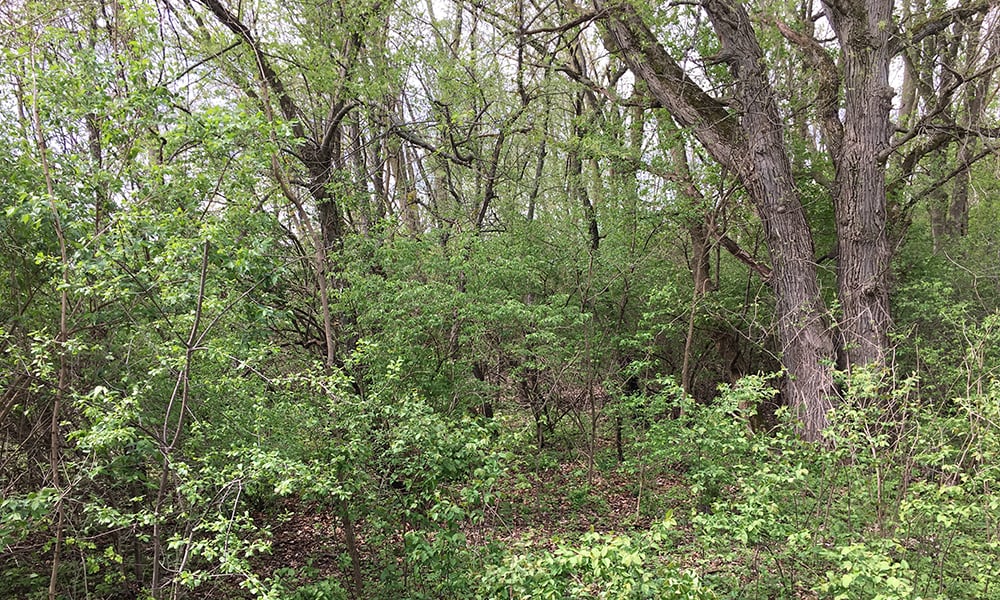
x: 170, y: 438
x: 577, y: 185
x: 536, y: 182
x: 974, y: 100
x: 55, y: 434
x: 701, y: 272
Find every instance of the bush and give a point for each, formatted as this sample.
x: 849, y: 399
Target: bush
x: 599, y: 566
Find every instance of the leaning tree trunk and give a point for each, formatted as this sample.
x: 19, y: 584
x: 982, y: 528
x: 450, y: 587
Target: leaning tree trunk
x: 754, y: 149
x: 806, y: 341
x: 807, y: 349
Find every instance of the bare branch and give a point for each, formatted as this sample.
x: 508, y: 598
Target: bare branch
x: 939, y: 23
x: 288, y: 107
x: 399, y: 128
x: 584, y: 18
x: 740, y: 254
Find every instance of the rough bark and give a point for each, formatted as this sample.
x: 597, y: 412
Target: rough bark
x: 863, y: 28
x: 749, y: 142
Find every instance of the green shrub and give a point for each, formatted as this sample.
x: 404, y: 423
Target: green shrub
x: 598, y: 566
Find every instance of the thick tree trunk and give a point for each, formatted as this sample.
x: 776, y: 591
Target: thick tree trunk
x: 863, y: 27
x: 807, y: 349
x: 754, y: 149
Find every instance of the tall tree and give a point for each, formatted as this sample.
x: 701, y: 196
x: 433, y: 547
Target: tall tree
x: 749, y: 142
x: 863, y: 29
x: 746, y: 133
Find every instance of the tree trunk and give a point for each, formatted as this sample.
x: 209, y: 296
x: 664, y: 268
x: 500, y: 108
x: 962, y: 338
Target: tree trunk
x: 805, y: 338
x: 863, y: 27
x: 754, y: 149
x: 974, y: 105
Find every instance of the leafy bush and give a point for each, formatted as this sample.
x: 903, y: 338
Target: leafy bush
x: 599, y: 566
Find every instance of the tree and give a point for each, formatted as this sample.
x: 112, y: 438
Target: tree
x: 948, y: 79
x: 750, y: 143
x: 746, y: 134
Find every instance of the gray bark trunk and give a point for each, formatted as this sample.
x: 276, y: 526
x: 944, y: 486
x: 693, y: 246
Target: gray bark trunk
x: 750, y: 143
x: 863, y: 27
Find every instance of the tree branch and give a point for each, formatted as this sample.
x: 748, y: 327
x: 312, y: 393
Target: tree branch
x: 584, y: 18
x: 828, y: 92
x: 927, y: 189
x: 399, y: 128
x: 939, y: 23
x: 740, y: 254
x: 715, y: 127
x: 288, y: 107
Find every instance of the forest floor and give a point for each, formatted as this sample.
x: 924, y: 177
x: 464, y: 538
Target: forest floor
x: 561, y: 499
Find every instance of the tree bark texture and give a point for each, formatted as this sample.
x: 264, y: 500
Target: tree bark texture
x: 863, y: 28
x: 749, y: 142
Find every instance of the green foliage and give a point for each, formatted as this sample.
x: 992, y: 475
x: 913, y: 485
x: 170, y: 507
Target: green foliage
x: 866, y: 573
x: 885, y: 512
x: 21, y: 515
x: 199, y: 402
x: 301, y: 584
x: 599, y: 566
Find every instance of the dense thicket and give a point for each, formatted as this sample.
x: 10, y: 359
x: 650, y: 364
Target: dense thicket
x: 406, y: 299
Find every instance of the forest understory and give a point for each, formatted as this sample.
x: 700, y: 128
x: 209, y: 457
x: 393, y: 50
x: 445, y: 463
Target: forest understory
x: 457, y: 299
